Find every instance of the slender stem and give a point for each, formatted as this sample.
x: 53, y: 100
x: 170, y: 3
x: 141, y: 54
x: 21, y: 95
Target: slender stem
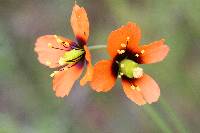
x: 96, y: 47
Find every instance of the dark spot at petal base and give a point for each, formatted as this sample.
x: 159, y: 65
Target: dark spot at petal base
x: 127, y: 55
x: 81, y: 41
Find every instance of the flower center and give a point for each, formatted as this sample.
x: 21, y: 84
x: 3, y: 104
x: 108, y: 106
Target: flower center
x: 130, y: 69
x: 71, y: 57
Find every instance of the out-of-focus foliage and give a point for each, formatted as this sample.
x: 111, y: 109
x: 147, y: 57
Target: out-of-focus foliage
x: 28, y: 104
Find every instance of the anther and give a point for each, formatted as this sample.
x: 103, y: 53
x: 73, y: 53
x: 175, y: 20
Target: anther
x: 58, y: 39
x: 62, y: 61
x: 128, y: 38
x: 123, y: 45
x: 119, y: 76
x: 48, y: 63
x: 133, y: 87
x: 142, y: 52
x: 137, y: 88
x: 53, y: 74
x: 137, y: 55
x: 121, y: 51
x: 50, y: 45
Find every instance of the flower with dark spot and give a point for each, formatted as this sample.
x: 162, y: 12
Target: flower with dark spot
x: 67, y: 56
x: 126, y: 57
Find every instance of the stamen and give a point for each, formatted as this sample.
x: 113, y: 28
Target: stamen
x: 128, y: 38
x: 121, y: 51
x: 133, y: 87
x: 62, y: 61
x: 53, y: 74
x: 137, y: 72
x: 142, y: 52
x: 48, y: 63
x: 121, y: 73
x: 137, y: 55
x: 119, y: 76
x: 123, y: 45
x: 138, y: 88
x: 50, y: 45
x: 65, y: 44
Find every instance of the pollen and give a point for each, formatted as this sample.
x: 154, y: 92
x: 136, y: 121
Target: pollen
x: 137, y: 55
x: 121, y: 73
x: 66, y: 43
x: 53, y: 74
x: 137, y: 72
x: 48, y: 63
x: 50, y: 45
x: 58, y: 39
x: 123, y: 45
x: 133, y: 87
x: 137, y: 88
x: 142, y: 52
x: 119, y: 76
x: 128, y: 38
x: 120, y: 51
x: 62, y: 61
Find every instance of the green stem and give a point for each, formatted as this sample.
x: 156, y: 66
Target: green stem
x: 96, y: 47
x: 157, y: 119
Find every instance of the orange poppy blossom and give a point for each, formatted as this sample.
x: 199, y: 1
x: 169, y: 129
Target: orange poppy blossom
x: 67, y: 56
x: 126, y: 57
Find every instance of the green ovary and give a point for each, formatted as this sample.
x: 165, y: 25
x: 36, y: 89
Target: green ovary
x: 130, y: 69
x: 71, y: 57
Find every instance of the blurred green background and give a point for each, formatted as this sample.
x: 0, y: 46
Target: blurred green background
x: 28, y: 104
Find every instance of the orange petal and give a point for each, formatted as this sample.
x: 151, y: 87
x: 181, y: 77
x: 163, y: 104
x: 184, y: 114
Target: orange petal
x: 79, y: 22
x: 132, y: 94
x: 128, y: 35
x: 149, y: 88
x: 64, y: 80
x: 103, y: 79
x: 88, y: 75
x: 154, y: 52
x: 48, y: 55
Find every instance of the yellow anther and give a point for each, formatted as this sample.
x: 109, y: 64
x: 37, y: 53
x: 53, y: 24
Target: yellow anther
x: 123, y: 45
x: 121, y: 51
x: 137, y: 88
x: 48, y: 63
x: 121, y: 73
x: 137, y: 55
x: 66, y: 43
x: 128, y: 38
x: 58, y: 39
x: 142, y: 52
x: 122, y: 65
x: 50, y: 45
x: 53, y: 74
x: 62, y: 61
x: 119, y: 76
x: 133, y: 87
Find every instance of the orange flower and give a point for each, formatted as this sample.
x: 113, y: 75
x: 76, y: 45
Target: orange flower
x: 66, y: 55
x: 127, y: 56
